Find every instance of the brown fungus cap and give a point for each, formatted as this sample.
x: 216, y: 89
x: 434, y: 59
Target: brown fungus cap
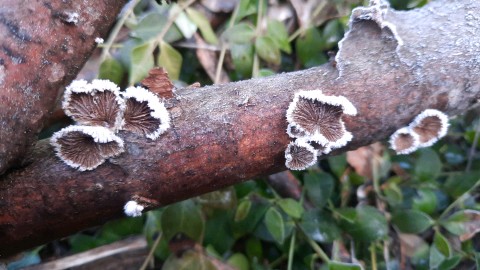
x: 430, y: 125
x: 299, y: 155
x: 404, y: 141
x: 86, y: 147
x: 158, y: 82
x: 96, y: 104
x: 144, y: 113
x: 320, y: 117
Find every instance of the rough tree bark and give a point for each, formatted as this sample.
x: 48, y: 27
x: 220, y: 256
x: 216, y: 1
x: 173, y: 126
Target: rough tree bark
x: 389, y: 69
x: 44, y: 44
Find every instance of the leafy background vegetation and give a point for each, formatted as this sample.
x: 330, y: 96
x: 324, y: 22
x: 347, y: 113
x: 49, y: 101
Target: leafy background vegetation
x: 367, y: 209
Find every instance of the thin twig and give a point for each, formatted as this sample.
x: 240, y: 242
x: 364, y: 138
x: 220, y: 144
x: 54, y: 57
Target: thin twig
x: 256, y: 60
x: 318, y: 250
x: 291, y: 251
x: 472, y: 149
x: 304, y: 27
x: 152, y: 251
x: 223, y: 49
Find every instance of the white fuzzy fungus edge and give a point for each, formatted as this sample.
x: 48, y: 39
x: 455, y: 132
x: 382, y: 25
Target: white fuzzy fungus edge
x: 300, y: 143
x: 317, y: 95
x: 432, y: 113
x: 99, y: 135
x: 411, y: 149
x: 133, y: 209
x: 159, y: 111
x: 97, y: 85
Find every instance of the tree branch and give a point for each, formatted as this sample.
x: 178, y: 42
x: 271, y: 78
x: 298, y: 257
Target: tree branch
x: 43, y: 46
x: 390, y: 69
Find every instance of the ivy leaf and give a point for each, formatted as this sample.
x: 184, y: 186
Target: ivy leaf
x: 242, y: 55
x: 412, y: 221
x: 170, y: 59
x: 241, y: 33
x: 309, y: 48
x: 152, y: 25
x: 112, y: 70
x: 291, y: 207
x: 242, y: 210
x: 183, y: 217
x: 278, y: 33
x: 268, y: 50
x: 319, y: 187
x: 141, y: 61
x: 275, y: 224
x: 203, y: 24
x: 186, y: 26
x: 428, y: 165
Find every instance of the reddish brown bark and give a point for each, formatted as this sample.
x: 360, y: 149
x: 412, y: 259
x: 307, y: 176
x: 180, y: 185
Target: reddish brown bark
x: 42, y: 48
x: 225, y: 134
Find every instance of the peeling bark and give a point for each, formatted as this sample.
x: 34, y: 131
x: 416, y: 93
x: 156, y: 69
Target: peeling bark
x: 43, y: 45
x: 225, y: 134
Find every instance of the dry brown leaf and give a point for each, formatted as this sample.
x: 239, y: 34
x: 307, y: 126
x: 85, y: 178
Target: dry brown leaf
x: 362, y: 159
x: 158, y: 82
x: 208, y: 60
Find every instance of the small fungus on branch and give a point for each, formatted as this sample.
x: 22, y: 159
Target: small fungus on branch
x: 158, y: 82
x: 430, y: 125
x: 97, y: 103
x: 294, y: 132
x: 86, y: 147
x: 404, y: 141
x: 144, y: 113
x: 320, y: 117
x: 300, y: 155
x: 133, y: 209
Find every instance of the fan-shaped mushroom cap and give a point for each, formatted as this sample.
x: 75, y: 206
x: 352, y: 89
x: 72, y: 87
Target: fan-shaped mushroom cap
x: 86, y: 147
x: 294, y: 132
x: 299, y: 155
x: 144, y: 113
x: 320, y: 117
x: 404, y: 141
x: 430, y: 125
x: 97, y: 103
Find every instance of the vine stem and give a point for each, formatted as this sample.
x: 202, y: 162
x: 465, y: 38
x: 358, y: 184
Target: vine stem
x: 116, y: 29
x: 318, y: 250
x: 256, y: 60
x: 458, y: 200
x: 150, y: 254
x: 291, y: 251
x: 472, y: 149
x: 304, y: 27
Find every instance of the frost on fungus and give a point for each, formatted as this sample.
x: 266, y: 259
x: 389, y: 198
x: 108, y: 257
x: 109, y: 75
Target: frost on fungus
x: 96, y: 104
x: 430, y: 125
x: 133, y: 209
x: 86, y: 147
x: 404, y: 141
x: 300, y: 155
x: 144, y: 113
x: 320, y: 117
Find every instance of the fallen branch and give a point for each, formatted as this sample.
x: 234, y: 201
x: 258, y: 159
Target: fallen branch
x: 390, y: 68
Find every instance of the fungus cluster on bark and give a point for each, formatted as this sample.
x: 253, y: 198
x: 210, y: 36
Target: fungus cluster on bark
x: 100, y: 110
x: 315, y: 122
x: 425, y: 130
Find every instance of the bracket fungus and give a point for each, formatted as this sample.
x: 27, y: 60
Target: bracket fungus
x: 133, y: 209
x: 144, y: 113
x: 97, y: 103
x: 86, y: 147
x: 320, y: 117
x: 404, y: 141
x: 430, y: 125
x: 300, y: 155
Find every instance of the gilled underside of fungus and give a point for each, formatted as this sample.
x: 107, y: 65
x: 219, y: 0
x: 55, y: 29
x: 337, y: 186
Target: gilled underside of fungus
x: 86, y: 147
x: 144, y: 113
x: 320, y: 117
x: 404, y: 141
x: 430, y: 125
x: 300, y: 155
x: 97, y: 103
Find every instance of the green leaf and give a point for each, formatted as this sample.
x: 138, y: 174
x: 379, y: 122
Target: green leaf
x: 331, y: 34
x: 393, y: 193
x: 428, y: 165
x: 183, y: 217
x: 242, y: 55
x: 320, y: 226
x: 254, y: 248
x: 151, y: 25
x: 332, y: 265
x: 465, y: 222
x: 369, y: 224
x: 152, y: 224
x: 459, y: 183
x: 220, y: 199
x: 242, y: 210
x: 141, y: 61
x: 239, y: 261
x: 450, y: 263
x: 190, y: 260
x: 319, y: 187
x: 441, y: 243
x: 203, y: 24
x: 218, y: 232
x: 338, y: 164
x: 426, y: 201
x: 184, y: 24
x: 436, y: 258
x: 254, y: 217
x: 309, y: 48
x: 275, y: 224
x: 278, y: 33
x: 291, y: 207
x: 112, y: 70
x: 241, y: 33
x: 267, y: 50
x: 412, y: 221
x: 170, y: 59
x: 265, y: 72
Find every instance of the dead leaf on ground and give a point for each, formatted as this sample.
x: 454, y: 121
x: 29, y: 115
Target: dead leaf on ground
x: 364, y: 158
x: 158, y: 82
x: 208, y: 59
